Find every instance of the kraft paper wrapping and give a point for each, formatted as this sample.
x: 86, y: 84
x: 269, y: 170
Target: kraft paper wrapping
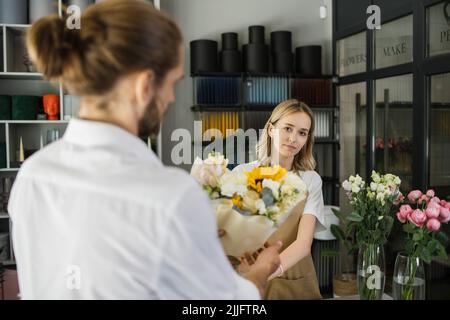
x: 249, y: 233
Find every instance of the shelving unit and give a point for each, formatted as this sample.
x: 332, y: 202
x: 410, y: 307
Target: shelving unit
x: 254, y: 96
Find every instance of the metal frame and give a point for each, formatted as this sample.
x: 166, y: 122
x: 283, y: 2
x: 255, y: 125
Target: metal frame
x: 421, y: 68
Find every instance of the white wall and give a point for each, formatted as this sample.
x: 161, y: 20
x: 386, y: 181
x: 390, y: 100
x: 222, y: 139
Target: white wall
x: 207, y: 19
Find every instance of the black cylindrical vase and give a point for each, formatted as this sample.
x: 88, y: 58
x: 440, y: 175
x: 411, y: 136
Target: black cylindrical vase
x: 256, y: 34
x: 203, y: 56
x: 283, y: 62
x: 256, y: 57
x: 230, y: 61
x: 281, y: 41
x: 308, y: 60
x: 229, y: 41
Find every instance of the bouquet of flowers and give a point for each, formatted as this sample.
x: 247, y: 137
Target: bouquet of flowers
x: 424, y: 240
x: 249, y: 206
x: 371, y: 219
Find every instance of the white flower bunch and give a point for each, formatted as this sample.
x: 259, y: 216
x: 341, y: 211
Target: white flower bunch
x: 383, y: 187
x: 353, y: 184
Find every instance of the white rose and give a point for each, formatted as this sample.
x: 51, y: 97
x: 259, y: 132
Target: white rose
x: 355, y: 189
x: 373, y: 186
x: 274, y: 186
x: 347, y: 185
x: 380, y: 196
x: 233, y: 183
x: 376, y: 177
x: 380, y: 188
x: 358, y: 180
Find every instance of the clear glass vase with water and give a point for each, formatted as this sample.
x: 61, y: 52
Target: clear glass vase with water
x: 371, y: 272
x: 409, y: 278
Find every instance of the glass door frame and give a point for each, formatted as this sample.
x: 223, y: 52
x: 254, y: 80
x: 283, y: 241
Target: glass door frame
x: 421, y: 68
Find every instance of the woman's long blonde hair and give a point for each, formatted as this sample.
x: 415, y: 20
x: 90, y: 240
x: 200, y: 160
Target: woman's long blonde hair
x: 304, y: 160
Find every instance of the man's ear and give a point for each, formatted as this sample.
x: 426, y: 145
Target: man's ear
x: 144, y: 87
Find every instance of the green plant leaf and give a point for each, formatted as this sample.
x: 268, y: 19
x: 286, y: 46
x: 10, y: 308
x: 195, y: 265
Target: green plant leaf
x: 338, y: 214
x: 337, y: 232
x: 354, y: 217
x: 426, y: 255
x: 409, y: 228
x: 417, y: 236
x: 442, y: 238
x: 441, y: 250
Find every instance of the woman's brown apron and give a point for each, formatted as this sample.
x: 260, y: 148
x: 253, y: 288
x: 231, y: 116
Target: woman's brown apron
x: 300, y: 281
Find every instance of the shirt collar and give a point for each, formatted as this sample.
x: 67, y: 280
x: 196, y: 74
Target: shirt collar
x: 95, y: 134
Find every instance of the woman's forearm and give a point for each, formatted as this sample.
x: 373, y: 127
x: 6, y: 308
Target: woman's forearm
x: 291, y: 255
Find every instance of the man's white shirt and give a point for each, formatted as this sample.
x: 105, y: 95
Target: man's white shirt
x: 96, y: 215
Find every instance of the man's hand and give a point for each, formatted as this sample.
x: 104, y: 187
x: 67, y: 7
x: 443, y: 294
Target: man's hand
x: 267, y: 262
x: 221, y: 233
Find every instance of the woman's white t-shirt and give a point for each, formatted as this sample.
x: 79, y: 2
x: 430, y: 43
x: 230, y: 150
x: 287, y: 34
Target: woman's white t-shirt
x: 314, y: 204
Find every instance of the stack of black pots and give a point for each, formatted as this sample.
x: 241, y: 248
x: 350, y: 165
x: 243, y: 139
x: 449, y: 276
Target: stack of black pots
x: 203, y: 56
x: 281, y: 51
x: 230, y: 56
x: 308, y: 60
x: 256, y: 52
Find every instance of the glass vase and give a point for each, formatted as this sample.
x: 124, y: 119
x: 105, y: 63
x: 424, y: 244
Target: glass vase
x: 409, y: 278
x: 371, y: 272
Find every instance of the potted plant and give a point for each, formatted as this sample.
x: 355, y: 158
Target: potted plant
x: 344, y: 284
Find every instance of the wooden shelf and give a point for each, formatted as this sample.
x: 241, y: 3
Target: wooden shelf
x: 35, y: 121
x: 17, y: 26
x: 218, y: 108
x: 265, y: 74
x: 249, y: 107
x: 9, y: 169
x: 21, y: 75
x: 4, y: 215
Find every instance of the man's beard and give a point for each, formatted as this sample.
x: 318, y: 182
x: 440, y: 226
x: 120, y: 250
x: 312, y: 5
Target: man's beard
x: 150, y: 124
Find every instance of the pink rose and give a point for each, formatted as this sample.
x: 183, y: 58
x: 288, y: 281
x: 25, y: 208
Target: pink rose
x: 406, y: 209
x: 418, y: 217
x: 401, y: 218
x: 444, y: 215
x: 443, y: 203
x: 434, y: 204
x: 430, y: 193
x: 404, y: 213
x: 432, y: 212
x: 414, y: 195
x: 433, y: 225
x: 435, y: 199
